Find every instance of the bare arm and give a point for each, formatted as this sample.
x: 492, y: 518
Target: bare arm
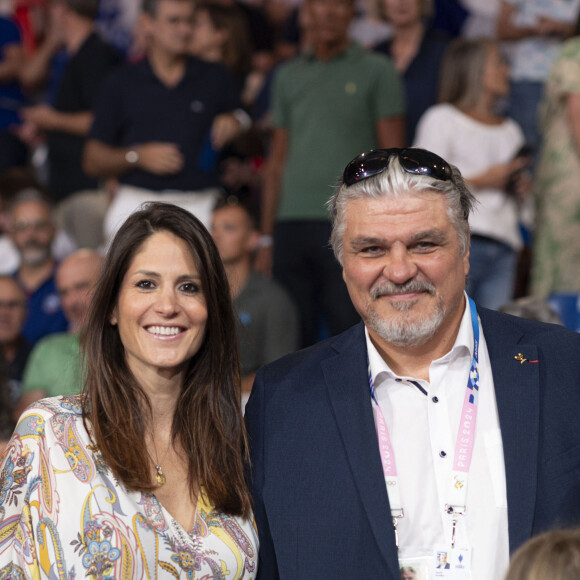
x: 102, y: 160
x: 546, y: 26
x: 497, y: 176
x: 390, y: 132
x: 573, y: 113
x: 506, y: 29
x: 46, y: 118
x: 12, y: 63
x: 271, y: 196
x: 225, y: 128
x: 35, y: 69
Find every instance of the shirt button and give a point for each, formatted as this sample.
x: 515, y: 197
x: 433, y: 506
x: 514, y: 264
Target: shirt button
x: 442, y: 454
x: 435, y: 399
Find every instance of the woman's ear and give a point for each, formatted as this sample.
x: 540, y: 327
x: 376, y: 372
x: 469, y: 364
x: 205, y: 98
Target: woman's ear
x: 113, y: 319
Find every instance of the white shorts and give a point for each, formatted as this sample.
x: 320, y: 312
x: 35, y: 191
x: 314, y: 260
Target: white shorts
x: 129, y: 199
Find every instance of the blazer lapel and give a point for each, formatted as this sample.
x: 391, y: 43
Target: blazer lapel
x: 347, y: 385
x: 515, y: 368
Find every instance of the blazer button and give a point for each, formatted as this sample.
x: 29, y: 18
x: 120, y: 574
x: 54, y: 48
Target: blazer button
x: 442, y: 454
x: 435, y: 399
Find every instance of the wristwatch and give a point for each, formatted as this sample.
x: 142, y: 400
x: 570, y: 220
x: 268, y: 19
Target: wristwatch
x: 132, y: 156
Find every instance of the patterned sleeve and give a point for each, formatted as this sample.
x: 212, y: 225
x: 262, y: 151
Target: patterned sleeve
x: 565, y: 74
x: 22, y: 472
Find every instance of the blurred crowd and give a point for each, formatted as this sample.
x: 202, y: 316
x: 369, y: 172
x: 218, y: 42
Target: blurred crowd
x: 244, y: 113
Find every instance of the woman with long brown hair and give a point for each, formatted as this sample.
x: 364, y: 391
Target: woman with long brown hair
x: 142, y: 474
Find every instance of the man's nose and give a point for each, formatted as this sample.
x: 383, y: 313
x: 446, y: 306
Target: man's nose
x: 400, y: 266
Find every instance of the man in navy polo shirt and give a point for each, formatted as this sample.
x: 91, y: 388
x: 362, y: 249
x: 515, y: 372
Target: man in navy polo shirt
x: 32, y: 231
x: 160, y: 122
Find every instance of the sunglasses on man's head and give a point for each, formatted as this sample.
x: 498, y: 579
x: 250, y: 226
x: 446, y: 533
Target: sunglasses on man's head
x: 415, y: 161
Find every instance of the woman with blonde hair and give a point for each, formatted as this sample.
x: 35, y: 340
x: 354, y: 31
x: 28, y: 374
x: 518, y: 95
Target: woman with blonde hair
x: 466, y: 128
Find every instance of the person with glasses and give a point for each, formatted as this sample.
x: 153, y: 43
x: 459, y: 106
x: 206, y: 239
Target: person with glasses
x: 32, y: 230
x: 434, y: 425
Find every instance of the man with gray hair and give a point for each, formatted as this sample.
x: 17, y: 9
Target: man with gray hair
x: 32, y: 230
x: 413, y: 432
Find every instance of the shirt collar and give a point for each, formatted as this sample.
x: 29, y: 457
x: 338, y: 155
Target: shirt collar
x: 463, y: 346
x: 346, y: 52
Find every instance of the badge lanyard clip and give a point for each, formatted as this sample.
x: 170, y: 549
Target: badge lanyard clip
x: 454, y: 511
x: 397, y: 514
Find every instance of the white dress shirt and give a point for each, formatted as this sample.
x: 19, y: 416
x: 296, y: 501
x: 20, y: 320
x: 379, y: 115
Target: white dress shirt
x: 423, y: 431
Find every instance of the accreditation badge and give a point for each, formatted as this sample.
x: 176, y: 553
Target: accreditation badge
x: 451, y: 563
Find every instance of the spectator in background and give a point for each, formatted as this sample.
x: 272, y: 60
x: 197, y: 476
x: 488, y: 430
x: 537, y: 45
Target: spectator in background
x: 32, y: 231
x: 12, y: 151
x: 43, y: 64
x: 369, y: 28
x: 12, y: 182
x: 416, y: 52
x: 221, y: 34
x: 54, y: 366
x: 533, y: 309
x: 13, y: 345
x: 67, y: 123
x: 328, y: 104
x: 556, y: 256
x: 466, y: 130
x: 160, y: 122
x: 261, y: 25
x: 267, y: 320
x: 536, y: 28
x: 554, y: 555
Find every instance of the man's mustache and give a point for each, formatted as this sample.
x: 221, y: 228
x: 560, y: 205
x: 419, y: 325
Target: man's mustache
x: 388, y: 288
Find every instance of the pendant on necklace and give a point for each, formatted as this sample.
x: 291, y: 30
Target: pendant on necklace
x: 160, y: 477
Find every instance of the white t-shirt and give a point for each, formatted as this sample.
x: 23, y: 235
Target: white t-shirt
x: 474, y: 147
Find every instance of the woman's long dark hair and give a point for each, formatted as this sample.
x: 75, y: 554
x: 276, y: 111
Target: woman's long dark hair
x: 7, y: 422
x: 208, y: 421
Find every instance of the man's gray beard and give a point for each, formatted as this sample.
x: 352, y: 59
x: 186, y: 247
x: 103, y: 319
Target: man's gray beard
x: 35, y: 255
x: 402, y: 332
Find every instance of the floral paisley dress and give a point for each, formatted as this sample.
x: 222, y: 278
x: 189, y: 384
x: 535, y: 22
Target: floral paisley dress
x: 63, y: 515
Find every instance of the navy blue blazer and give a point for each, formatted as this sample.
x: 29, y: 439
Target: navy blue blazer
x: 321, y: 504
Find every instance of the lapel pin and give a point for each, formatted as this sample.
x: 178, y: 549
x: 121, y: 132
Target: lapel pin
x: 520, y: 358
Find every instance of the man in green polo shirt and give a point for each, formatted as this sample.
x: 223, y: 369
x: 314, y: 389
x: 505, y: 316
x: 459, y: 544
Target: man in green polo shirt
x: 328, y: 105
x: 54, y: 366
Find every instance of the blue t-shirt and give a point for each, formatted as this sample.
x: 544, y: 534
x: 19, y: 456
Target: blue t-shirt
x: 45, y: 315
x: 11, y: 97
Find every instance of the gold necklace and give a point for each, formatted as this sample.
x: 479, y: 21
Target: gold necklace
x: 160, y: 476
